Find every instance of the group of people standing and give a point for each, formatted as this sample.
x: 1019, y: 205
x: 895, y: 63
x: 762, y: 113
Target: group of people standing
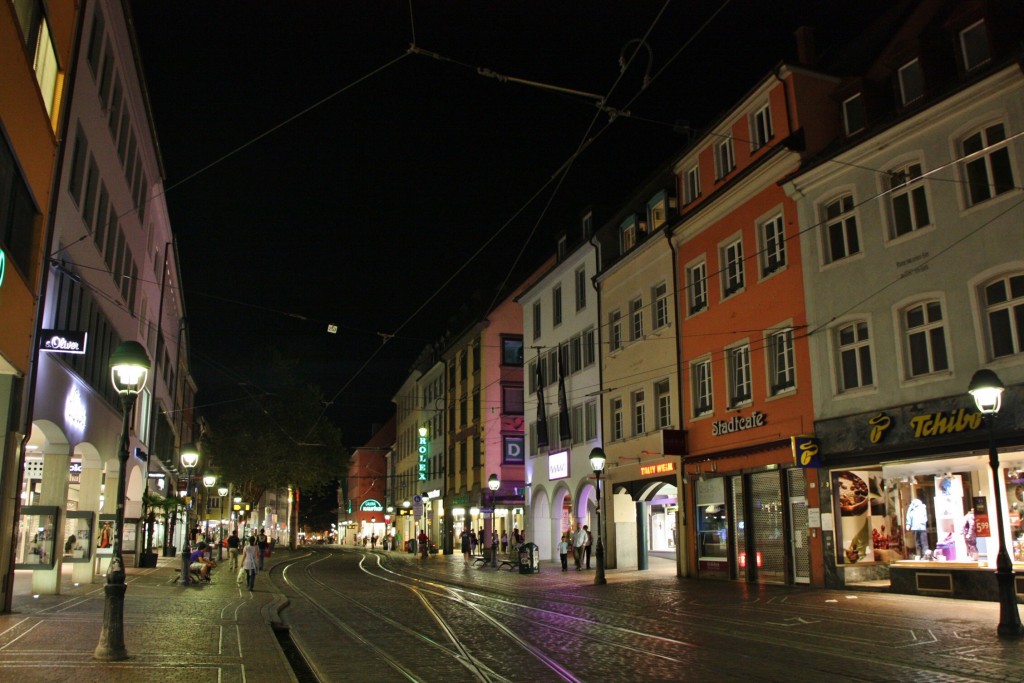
x: 253, y: 552
x: 580, y: 544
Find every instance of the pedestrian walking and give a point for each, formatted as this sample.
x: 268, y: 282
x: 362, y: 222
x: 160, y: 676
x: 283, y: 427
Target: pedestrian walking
x: 586, y: 548
x: 473, y: 541
x: 563, y: 552
x: 373, y: 542
x: 233, y: 543
x: 464, y: 537
x: 261, y: 545
x: 250, y: 562
x: 424, y: 544
x: 504, y: 542
x: 578, y: 542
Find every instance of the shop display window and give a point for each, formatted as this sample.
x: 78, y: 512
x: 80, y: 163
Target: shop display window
x: 1015, y: 503
x: 925, y: 517
x: 36, y: 542
x: 78, y: 537
x: 712, y: 528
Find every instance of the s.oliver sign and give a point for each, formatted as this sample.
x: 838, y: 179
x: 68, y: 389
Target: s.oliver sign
x: 62, y: 341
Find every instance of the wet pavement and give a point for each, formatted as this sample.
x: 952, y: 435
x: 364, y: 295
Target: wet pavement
x: 215, y: 632
x: 696, y: 630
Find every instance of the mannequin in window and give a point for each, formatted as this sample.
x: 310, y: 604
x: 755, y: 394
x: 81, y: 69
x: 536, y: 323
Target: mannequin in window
x: 917, y: 522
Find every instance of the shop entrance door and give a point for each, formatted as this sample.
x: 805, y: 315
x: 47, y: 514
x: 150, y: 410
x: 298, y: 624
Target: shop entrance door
x: 798, y: 535
x: 769, y: 551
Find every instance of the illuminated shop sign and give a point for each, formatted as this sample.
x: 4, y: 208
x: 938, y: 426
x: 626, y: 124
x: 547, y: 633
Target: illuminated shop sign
x: 513, y: 450
x: 806, y: 451
x: 558, y: 465
x: 371, y: 505
x: 74, y: 410
x: 657, y: 469
x: 62, y: 341
x: 739, y: 424
x: 423, y: 449
x: 929, y: 424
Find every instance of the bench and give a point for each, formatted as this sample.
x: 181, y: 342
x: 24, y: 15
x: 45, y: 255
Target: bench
x: 485, y: 560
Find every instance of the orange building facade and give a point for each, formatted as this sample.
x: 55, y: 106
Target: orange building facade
x: 744, y: 363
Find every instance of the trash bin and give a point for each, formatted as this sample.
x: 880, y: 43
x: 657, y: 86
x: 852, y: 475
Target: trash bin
x: 529, y: 560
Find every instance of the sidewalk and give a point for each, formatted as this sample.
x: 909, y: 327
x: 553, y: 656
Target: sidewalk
x: 215, y: 632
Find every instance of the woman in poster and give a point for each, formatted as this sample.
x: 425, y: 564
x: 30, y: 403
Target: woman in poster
x: 106, y: 535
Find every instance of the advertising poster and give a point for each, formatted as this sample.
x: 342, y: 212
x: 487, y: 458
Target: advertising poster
x: 867, y: 528
x: 852, y: 501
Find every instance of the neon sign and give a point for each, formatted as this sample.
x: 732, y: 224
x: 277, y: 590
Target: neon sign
x: 423, y: 449
x: 659, y: 468
x: 74, y: 410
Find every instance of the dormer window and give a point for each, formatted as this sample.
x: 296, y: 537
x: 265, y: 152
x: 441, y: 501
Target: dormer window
x: 587, y: 225
x: 761, y: 128
x: 725, y: 158
x: 657, y: 211
x: 911, y: 82
x: 691, y: 190
x: 974, y: 46
x: 853, y: 114
x: 627, y: 235
x: 562, y: 247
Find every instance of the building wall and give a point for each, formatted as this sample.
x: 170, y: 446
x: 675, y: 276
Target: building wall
x: 547, y: 517
x: 29, y: 135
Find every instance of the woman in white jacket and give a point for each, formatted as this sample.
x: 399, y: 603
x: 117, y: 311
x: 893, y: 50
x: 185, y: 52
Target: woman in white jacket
x: 251, y: 562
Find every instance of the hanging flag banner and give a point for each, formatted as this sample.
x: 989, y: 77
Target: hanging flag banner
x: 542, y: 418
x: 564, y: 430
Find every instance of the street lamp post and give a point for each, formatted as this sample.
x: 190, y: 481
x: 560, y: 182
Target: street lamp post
x: 129, y: 368
x: 222, y: 492
x: 987, y: 390
x: 209, y: 481
x: 597, y: 462
x: 493, y: 483
x: 189, y: 459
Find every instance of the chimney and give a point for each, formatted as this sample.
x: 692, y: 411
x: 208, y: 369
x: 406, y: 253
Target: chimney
x: 806, y: 54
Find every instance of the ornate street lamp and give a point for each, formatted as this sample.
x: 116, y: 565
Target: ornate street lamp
x: 209, y: 481
x: 189, y: 459
x: 597, y: 462
x: 222, y: 491
x: 987, y: 390
x: 129, y: 368
x: 493, y: 483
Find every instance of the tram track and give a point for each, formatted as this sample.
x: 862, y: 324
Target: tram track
x: 443, y: 639
x: 473, y: 626
x: 470, y: 619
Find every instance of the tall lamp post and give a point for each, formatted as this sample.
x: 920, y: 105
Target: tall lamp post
x: 987, y: 390
x: 189, y: 459
x: 222, y: 492
x: 493, y: 483
x: 209, y: 481
x: 129, y: 368
x: 597, y: 461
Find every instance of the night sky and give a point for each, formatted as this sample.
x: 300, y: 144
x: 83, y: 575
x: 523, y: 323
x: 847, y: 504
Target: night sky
x: 319, y: 173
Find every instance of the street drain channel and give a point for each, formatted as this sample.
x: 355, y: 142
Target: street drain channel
x: 300, y: 667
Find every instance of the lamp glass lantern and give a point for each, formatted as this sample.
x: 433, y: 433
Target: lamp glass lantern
x: 987, y: 390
